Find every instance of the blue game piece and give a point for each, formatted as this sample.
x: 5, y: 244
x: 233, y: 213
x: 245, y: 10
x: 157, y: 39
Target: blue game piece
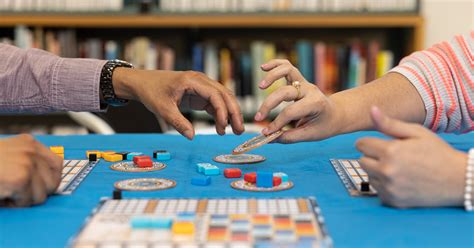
x: 200, y: 167
x: 161, y: 223
x: 161, y: 155
x: 133, y: 154
x: 264, y: 179
x: 208, y: 169
x: 201, y: 181
x: 140, y: 222
x: 283, y: 176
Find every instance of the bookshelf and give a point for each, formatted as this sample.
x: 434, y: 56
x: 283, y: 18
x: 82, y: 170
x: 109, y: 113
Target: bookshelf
x: 403, y: 32
x: 413, y: 23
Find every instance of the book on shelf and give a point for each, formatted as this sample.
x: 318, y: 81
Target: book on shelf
x: 236, y: 64
x: 218, y: 6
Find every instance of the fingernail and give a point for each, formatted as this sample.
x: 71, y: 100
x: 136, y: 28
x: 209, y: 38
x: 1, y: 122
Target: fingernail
x: 262, y: 84
x: 263, y: 65
x: 265, y: 131
x: 258, y: 116
x: 189, y: 134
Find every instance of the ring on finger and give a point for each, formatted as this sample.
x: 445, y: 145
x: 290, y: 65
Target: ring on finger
x: 297, y: 86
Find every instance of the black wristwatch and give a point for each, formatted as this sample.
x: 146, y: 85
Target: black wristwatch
x: 106, y: 86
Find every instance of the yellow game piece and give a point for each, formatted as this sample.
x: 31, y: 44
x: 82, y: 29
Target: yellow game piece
x: 112, y: 157
x: 98, y: 153
x: 183, y: 228
x: 57, y: 149
x: 106, y: 152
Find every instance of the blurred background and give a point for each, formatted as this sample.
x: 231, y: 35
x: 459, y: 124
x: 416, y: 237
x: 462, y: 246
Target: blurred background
x: 337, y: 44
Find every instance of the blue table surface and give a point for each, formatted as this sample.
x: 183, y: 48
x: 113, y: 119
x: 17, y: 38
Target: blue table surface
x: 351, y: 221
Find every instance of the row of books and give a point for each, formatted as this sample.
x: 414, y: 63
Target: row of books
x: 61, y: 5
x: 234, y: 63
x: 288, y: 5
x: 213, y: 5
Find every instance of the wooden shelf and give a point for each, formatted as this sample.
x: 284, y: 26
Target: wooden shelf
x: 413, y: 23
x: 212, y: 21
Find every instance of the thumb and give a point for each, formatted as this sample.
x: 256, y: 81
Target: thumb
x: 392, y: 127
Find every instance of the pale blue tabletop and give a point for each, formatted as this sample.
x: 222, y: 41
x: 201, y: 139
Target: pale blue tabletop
x: 350, y: 221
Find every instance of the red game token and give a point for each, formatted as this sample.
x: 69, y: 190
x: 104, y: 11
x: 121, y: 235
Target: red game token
x: 142, y: 163
x: 143, y: 157
x: 276, y: 181
x: 250, y: 177
x: 232, y: 173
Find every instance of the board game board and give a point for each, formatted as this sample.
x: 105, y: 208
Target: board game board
x: 226, y: 222
x: 74, y: 171
x: 354, y: 178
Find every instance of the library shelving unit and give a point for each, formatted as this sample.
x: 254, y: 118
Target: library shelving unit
x: 399, y: 32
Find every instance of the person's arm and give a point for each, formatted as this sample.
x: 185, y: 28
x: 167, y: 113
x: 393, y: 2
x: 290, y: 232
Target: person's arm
x: 434, y: 87
x: 35, y: 81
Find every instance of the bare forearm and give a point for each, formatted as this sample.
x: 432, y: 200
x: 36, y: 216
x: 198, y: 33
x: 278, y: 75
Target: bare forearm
x: 392, y: 93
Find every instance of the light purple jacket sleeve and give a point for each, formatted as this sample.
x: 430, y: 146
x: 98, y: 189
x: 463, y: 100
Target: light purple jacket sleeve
x: 35, y: 81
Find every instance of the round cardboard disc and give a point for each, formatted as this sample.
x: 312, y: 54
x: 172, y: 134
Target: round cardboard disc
x: 239, y: 159
x: 131, y: 167
x: 145, y: 184
x: 256, y: 142
x: 243, y: 185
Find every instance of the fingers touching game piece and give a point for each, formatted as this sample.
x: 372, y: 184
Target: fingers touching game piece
x: 28, y: 171
x: 256, y: 142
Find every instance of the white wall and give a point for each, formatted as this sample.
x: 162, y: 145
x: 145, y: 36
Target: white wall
x: 446, y: 18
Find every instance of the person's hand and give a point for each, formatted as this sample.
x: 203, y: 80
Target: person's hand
x: 163, y: 92
x: 29, y: 171
x: 415, y: 169
x: 316, y: 115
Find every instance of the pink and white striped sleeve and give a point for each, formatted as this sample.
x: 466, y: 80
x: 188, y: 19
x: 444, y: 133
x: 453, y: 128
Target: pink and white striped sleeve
x: 444, y: 78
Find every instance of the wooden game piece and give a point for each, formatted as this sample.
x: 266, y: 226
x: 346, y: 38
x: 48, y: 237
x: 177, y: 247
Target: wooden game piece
x: 232, y: 173
x: 283, y: 176
x: 256, y: 142
x: 161, y: 223
x: 93, y: 157
x: 364, y: 186
x: 97, y: 153
x: 250, y: 177
x: 124, y: 155
x: 161, y: 155
x: 112, y: 157
x: 208, y: 169
x: 61, y: 155
x: 264, y: 179
x: 130, y: 155
x: 239, y: 158
x: 129, y: 166
x: 276, y: 181
x: 144, y: 163
x: 141, y: 157
x: 117, y: 194
x: 201, y: 181
x: 57, y: 149
x: 145, y: 184
x: 103, y: 153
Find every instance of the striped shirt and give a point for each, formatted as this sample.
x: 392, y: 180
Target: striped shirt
x: 444, y: 78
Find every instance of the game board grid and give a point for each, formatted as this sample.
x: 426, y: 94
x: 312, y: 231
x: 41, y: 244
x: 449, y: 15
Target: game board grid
x: 352, y: 175
x: 73, y: 173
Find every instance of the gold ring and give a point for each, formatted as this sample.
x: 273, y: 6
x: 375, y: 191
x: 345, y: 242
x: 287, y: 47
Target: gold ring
x: 297, y: 86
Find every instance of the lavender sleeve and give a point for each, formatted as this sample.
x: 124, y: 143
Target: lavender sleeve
x: 35, y: 81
